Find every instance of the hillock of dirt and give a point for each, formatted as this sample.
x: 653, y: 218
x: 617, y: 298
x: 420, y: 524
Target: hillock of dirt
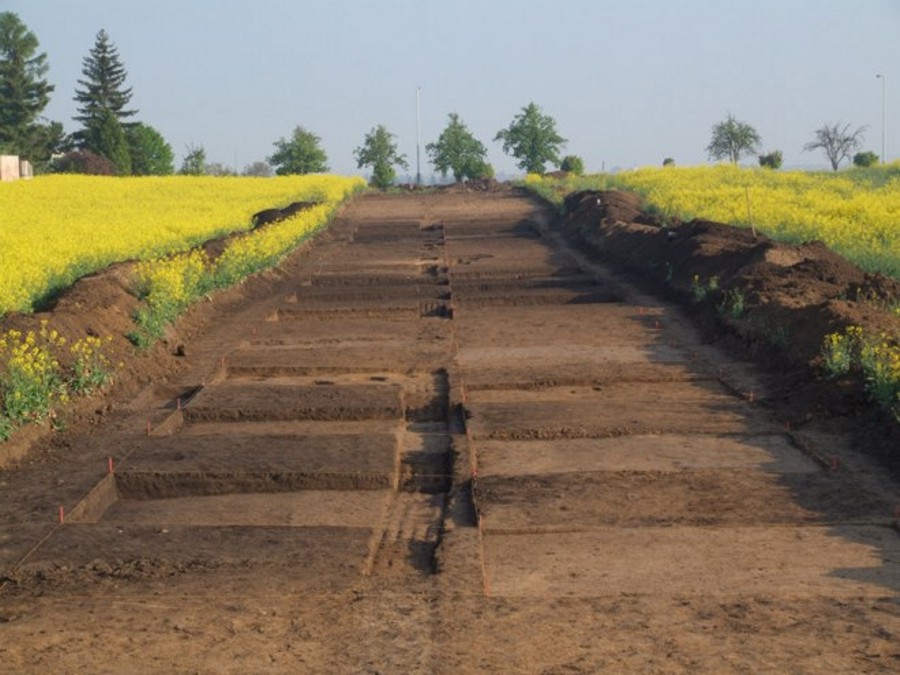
x: 775, y: 302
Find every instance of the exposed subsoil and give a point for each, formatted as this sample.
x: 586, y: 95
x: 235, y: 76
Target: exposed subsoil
x: 457, y: 434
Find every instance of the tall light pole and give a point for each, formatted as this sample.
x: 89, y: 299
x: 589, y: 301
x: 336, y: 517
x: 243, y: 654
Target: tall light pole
x: 883, y: 79
x: 418, y: 140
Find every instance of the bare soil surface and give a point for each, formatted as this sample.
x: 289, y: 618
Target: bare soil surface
x: 452, y: 436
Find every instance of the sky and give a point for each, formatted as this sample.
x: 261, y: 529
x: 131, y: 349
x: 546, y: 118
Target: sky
x: 629, y: 82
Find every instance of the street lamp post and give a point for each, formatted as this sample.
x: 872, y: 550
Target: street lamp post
x: 418, y: 140
x: 883, y: 79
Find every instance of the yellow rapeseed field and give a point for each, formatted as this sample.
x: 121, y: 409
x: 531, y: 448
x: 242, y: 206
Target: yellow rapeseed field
x: 55, y: 229
x: 858, y: 218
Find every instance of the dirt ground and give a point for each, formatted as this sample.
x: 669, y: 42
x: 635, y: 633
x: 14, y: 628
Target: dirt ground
x: 451, y: 436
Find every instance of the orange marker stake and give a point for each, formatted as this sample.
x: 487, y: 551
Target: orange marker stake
x: 178, y: 404
x: 110, y: 465
x: 751, y: 397
x: 835, y: 463
x: 148, y: 426
x: 62, y: 515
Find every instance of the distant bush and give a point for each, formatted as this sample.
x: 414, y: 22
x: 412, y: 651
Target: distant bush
x: 773, y: 160
x: 865, y: 159
x: 486, y: 171
x: 84, y: 161
x: 668, y: 161
x: 572, y: 164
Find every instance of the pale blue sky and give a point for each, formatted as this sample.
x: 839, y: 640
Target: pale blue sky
x: 629, y: 82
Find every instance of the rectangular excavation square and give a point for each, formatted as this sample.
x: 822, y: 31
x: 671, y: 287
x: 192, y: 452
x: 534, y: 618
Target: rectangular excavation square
x: 398, y: 308
x: 840, y: 562
x: 323, y: 331
x: 323, y: 557
x: 529, y: 292
x: 547, y: 374
x: 617, y: 409
x: 665, y: 452
x: 737, y: 497
x: 600, y: 325
x: 305, y: 508
x: 384, y: 292
x: 380, y: 357
x: 224, y: 461
x: 283, y: 399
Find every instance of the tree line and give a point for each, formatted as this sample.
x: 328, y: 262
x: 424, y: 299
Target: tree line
x: 733, y: 139
x: 110, y: 139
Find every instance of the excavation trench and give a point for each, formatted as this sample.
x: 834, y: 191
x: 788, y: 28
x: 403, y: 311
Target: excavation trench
x: 447, y: 439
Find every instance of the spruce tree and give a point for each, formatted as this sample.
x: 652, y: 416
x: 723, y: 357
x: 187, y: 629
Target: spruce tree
x: 102, y: 95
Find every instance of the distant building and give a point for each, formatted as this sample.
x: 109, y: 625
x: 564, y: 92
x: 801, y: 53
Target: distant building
x: 14, y: 168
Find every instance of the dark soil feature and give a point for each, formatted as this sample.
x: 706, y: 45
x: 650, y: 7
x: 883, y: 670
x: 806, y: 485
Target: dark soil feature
x: 774, y: 302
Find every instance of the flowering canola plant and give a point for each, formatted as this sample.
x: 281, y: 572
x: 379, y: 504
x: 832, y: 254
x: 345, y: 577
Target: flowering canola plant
x: 55, y: 229
x: 878, y: 359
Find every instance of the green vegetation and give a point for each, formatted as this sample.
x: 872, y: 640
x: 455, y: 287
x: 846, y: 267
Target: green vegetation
x: 301, y: 154
x: 572, y: 164
x: 701, y: 291
x: 102, y: 105
x: 865, y: 159
x: 731, y: 139
x: 876, y: 359
x: 33, y: 382
x: 194, y: 162
x: 771, y: 160
x: 24, y: 93
x: 379, y: 151
x: 458, y: 151
x: 532, y: 139
x: 151, y: 155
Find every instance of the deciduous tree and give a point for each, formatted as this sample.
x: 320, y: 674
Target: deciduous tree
x: 151, y: 155
x: 299, y: 155
x: 458, y: 151
x: 732, y: 139
x: 532, y: 139
x: 839, y: 143
x: 379, y: 151
x: 194, y: 163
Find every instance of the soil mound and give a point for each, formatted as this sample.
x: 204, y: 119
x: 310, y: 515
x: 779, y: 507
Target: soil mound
x: 775, y: 301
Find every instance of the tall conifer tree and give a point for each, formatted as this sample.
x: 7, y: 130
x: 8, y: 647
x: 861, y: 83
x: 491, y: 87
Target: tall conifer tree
x: 103, y: 100
x: 24, y: 93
